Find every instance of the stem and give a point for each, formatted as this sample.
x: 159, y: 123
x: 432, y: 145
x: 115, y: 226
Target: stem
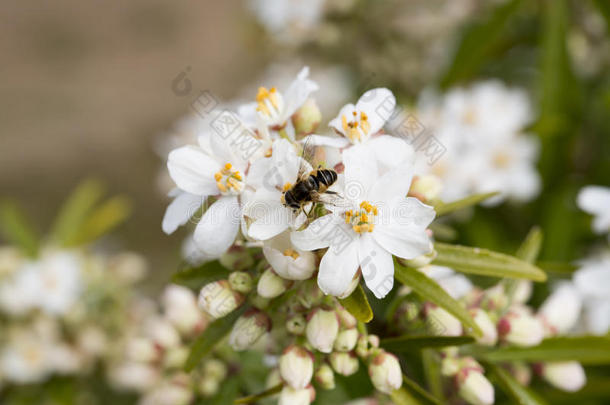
x: 252, y: 398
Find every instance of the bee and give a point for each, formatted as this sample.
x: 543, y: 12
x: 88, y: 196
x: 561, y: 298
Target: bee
x: 310, y: 186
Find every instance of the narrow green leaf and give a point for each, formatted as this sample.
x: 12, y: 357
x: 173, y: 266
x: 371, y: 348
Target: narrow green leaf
x: 229, y: 390
x: 253, y: 398
x: 557, y: 267
x: 416, y: 343
x: 485, y: 262
x: 590, y: 350
x: 16, y: 228
x: 197, y: 277
x: 530, y: 248
x: 75, y: 210
x: 102, y: 220
x: 403, y: 397
x: 432, y: 371
x: 520, y: 394
x: 478, y: 42
x: 358, y: 305
x: 604, y: 8
x: 447, y: 208
x: 417, y: 392
x: 431, y: 291
x: 210, y: 337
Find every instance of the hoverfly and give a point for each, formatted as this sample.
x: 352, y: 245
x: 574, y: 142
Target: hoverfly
x: 310, y: 186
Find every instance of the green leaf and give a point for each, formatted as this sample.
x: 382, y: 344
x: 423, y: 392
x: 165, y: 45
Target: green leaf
x: 478, y: 42
x: 102, y: 220
x: 604, y: 8
x: 75, y: 210
x: 590, y: 350
x: 416, y: 343
x: 197, y: 277
x: 358, y: 305
x: 210, y: 337
x: 431, y: 291
x: 447, y: 208
x: 520, y: 394
x: 417, y: 392
x: 432, y: 371
x: 557, y: 267
x: 485, y: 262
x: 229, y: 390
x: 403, y: 397
x: 253, y: 398
x: 17, y: 230
x: 530, y: 248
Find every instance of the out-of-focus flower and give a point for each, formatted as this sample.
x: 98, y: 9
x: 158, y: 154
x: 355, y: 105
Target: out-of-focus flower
x: 595, y: 200
x: 474, y: 387
x: 520, y: 327
x: 180, y: 308
x: 325, y: 377
x: 561, y: 310
x: 482, y: 319
x: 567, y: 376
x: 591, y: 281
x: 292, y: 396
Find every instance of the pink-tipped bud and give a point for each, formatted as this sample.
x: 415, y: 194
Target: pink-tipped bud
x: 385, y: 372
x: 482, y: 319
x: 346, y: 319
x: 521, y: 328
x: 346, y: 340
x: 291, y: 396
x: 296, y: 367
x: 565, y: 375
x: 248, y: 329
x: 345, y: 364
x: 441, y: 322
x: 325, y: 377
x: 322, y: 329
x: 217, y: 299
x: 473, y: 387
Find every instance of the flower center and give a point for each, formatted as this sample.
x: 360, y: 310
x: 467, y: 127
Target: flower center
x: 292, y: 253
x: 229, y: 181
x: 270, y: 102
x: 362, y: 219
x: 357, y: 127
x: 502, y: 160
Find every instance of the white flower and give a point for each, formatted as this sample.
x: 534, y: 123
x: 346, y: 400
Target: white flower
x: 296, y: 367
x: 455, y: 284
x: 270, y: 177
x: 379, y: 223
x: 133, y: 375
x: 592, y: 281
x: 595, y: 200
x: 287, y: 261
x: 180, y: 308
x: 273, y: 108
x: 199, y: 175
x: 288, y: 20
x: 566, y: 375
x: 168, y: 394
x: 25, y: 357
x: 561, y: 310
x: 520, y: 327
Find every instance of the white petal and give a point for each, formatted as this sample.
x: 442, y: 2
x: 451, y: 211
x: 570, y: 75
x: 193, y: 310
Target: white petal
x: 395, y: 183
x: 594, y: 199
x: 225, y: 153
x: 218, y: 228
x: 337, y: 269
x: 598, y: 316
x: 337, y: 123
x: 360, y: 173
x: 402, y: 232
x: 322, y: 140
x: 379, y: 105
x: 377, y: 266
x: 298, y: 92
x: 593, y: 280
x: 391, y: 151
x: 315, y: 235
x: 274, y: 220
x: 193, y: 170
x: 180, y: 210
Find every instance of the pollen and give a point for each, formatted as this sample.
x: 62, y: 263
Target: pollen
x: 269, y: 101
x: 356, y: 128
x: 292, y: 253
x: 229, y: 181
x: 362, y: 220
x: 287, y: 187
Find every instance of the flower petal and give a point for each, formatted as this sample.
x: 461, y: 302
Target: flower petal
x: 394, y: 184
x: 379, y: 105
x: 218, y: 228
x: 594, y: 199
x: 271, y: 218
x: 298, y: 92
x: 390, y: 151
x: 323, y: 140
x: 180, y: 210
x: 193, y: 170
x: 360, y: 173
x: 337, y: 269
x: 377, y: 266
x: 336, y: 123
x: 315, y: 235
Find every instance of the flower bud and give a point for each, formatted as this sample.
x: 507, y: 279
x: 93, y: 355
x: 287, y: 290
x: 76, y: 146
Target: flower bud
x: 426, y: 188
x: 296, y: 325
x: 241, y: 281
x: 141, y: 350
x: 217, y: 299
x: 270, y: 285
x: 322, y: 329
x: 162, y: 332
x: 237, y: 258
x: 385, y: 372
x: 346, y: 320
x: 522, y: 292
x: 215, y: 369
x: 296, y: 367
x: 307, y: 118
x: 450, y: 366
x: 180, y: 308
x: 209, y: 387
x: 494, y: 298
x: 482, y: 319
x: 365, y: 344
x: 520, y: 328
x: 565, y: 375
x: 441, y: 322
x: 248, y: 329
x: 175, y: 357
x: 325, y: 377
x: 288, y: 262
x: 343, y: 363
x: 473, y: 387
x: 560, y: 311
x: 291, y: 396
x: 420, y: 261
x: 346, y: 340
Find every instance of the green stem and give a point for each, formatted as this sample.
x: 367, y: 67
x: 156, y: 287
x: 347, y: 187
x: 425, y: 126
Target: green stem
x: 253, y: 398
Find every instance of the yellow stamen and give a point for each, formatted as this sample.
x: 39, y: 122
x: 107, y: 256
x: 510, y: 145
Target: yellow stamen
x: 362, y: 219
x: 292, y: 253
x: 287, y: 187
x: 217, y: 176
x: 221, y: 187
